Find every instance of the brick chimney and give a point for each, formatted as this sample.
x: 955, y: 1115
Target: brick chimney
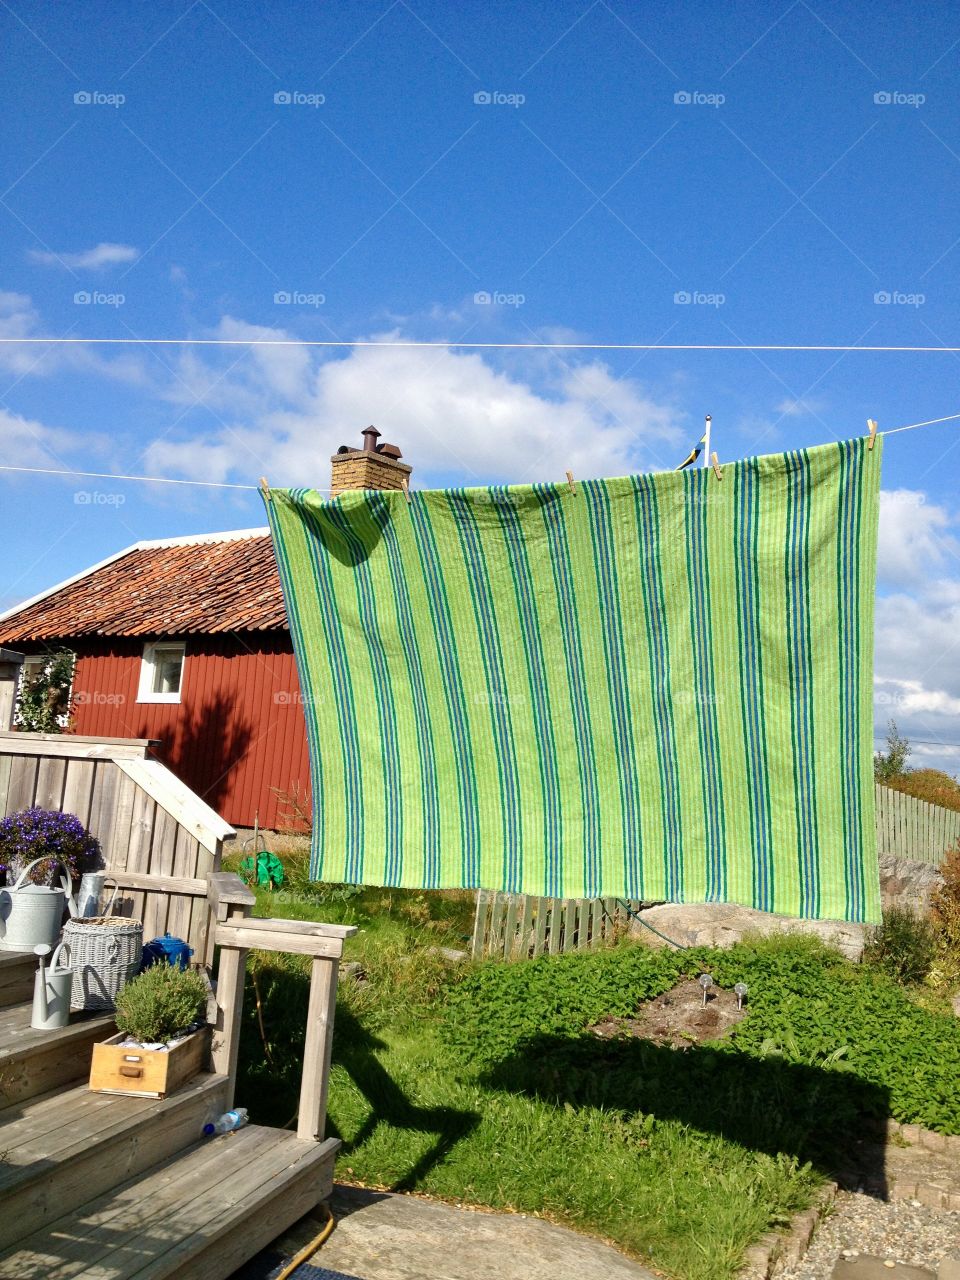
x: 375, y: 466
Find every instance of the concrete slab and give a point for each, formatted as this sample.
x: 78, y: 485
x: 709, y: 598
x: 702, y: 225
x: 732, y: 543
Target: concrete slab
x: 382, y: 1236
x: 866, y: 1267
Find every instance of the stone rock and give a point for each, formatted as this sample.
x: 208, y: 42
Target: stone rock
x: 352, y: 969
x: 450, y: 954
x: 905, y: 883
x: 949, y: 1269
x: 722, y: 924
x: 955, y: 1002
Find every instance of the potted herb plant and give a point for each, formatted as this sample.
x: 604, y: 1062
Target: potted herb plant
x: 162, y: 1040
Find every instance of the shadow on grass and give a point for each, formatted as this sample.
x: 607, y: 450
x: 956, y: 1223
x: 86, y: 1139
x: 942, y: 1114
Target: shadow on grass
x: 390, y: 1105
x: 270, y: 1086
x: 827, y: 1116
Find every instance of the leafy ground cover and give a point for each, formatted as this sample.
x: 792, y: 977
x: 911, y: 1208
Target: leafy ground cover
x: 483, y: 1083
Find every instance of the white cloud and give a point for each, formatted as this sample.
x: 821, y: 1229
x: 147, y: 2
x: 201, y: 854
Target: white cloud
x: 95, y: 259
x: 916, y: 542
x: 453, y: 414
x: 25, y: 442
x: 19, y: 318
x: 917, y: 664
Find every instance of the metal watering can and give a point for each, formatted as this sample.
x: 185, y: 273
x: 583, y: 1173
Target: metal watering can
x: 51, y: 991
x: 32, y: 913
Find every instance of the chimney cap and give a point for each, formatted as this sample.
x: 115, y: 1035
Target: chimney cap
x: 389, y: 451
x: 370, y: 436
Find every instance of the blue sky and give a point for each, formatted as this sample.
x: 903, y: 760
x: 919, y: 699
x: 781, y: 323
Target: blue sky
x: 601, y: 172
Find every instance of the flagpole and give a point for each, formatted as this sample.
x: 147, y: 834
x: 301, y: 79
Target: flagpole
x: 706, y: 441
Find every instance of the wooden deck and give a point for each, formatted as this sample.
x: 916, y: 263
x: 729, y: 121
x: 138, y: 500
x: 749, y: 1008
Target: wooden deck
x: 197, y: 1216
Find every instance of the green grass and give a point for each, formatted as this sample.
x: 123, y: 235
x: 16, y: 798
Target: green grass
x: 479, y: 1084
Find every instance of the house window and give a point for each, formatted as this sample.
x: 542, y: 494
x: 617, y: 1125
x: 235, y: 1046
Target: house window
x: 161, y: 672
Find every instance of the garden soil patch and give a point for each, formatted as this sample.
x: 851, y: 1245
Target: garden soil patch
x: 678, y: 1018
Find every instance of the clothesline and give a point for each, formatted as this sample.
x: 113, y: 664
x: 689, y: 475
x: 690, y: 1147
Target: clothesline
x: 220, y: 484
x: 473, y: 346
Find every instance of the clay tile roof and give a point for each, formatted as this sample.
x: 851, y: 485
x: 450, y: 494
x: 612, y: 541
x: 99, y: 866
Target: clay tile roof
x: 215, y: 582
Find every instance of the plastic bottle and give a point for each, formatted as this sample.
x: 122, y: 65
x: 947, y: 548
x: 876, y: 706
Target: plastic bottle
x: 226, y: 1123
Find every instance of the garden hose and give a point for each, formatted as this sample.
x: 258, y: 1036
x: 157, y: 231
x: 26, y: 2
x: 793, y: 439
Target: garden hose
x: 309, y: 1249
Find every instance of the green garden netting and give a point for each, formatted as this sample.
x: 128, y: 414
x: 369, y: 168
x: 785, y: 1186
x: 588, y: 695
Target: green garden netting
x: 655, y: 687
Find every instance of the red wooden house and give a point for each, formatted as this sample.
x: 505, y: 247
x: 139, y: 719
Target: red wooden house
x: 185, y: 640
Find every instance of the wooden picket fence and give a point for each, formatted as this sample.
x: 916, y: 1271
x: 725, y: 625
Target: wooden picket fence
x: 912, y: 828
x: 512, y: 926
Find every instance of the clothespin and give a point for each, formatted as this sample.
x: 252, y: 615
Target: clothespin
x: 873, y: 433
x: 265, y: 488
x: 717, y: 469
x: 572, y: 484
x: 405, y: 485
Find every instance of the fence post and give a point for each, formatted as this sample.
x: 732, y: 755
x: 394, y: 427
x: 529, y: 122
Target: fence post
x: 317, y: 1050
x: 229, y: 899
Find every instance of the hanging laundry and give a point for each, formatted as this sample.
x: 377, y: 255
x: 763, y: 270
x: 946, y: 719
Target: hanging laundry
x: 656, y: 687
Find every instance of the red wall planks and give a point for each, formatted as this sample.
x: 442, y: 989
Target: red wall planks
x: 237, y: 735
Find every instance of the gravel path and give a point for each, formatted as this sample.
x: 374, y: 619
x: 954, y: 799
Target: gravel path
x: 902, y: 1230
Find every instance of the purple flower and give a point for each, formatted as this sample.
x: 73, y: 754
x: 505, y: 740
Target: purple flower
x: 58, y: 838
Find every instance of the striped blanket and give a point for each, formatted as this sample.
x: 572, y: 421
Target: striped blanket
x: 654, y: 687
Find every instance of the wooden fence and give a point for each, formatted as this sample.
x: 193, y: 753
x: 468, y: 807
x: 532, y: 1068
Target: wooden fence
x: 912, y: 828
x: 514, y: 927
x: 159, y: 840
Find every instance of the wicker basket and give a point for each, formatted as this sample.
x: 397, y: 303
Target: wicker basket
x: 105, y: 954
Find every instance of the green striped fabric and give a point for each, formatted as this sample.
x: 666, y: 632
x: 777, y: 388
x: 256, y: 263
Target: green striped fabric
x: 656, y: 687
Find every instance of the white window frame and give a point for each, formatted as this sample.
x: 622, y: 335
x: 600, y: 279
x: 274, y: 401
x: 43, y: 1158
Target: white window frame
x: 145, y: 692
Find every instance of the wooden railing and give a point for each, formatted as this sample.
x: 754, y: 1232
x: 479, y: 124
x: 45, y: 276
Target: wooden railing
x: 236, y: 932
x: 159, y: 840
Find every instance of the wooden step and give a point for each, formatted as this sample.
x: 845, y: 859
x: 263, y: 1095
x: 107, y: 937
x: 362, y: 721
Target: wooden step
x: 61, y: 1150
x: 198, y: 1216
x: 16, y: 977
x: 34, y: 1062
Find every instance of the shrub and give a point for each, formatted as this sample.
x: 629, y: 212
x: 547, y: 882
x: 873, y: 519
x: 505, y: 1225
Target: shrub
x: 904, y: 946
x: 45, y: 833
x: 946, y: 909
x: 931, y: 785
x: 43, y: 701
x: 161, y: 1002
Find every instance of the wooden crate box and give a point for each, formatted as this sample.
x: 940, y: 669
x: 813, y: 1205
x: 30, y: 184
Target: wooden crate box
x: 148, y: 1073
